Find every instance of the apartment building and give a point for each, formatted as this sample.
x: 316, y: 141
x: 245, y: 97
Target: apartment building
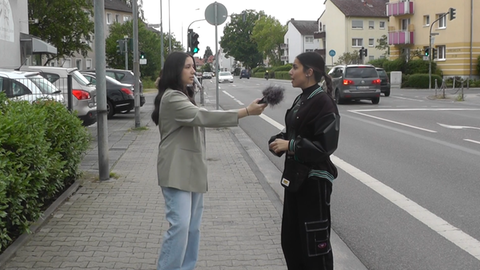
x: 348, y: 25
x: 412, y: 24
x: 299, y: 38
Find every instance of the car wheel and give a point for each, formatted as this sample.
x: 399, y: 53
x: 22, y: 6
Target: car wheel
x: 338, y: 100
x: 110, y: 109
x: 375, y: 100
x: 387, y: 94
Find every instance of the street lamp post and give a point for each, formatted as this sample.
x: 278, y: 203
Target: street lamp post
x: 161, y: 37
x: 430, y: 50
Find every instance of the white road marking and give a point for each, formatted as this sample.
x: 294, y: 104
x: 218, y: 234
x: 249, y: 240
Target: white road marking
x: 468, y: 140
x: 457, y: 127
x: 395, y: 122
x: 434, y: 222
x: 411, y: 99
x: 236, y: 100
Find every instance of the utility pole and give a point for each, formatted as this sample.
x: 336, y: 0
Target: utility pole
x: 101, y: 85
x: 136, y: 66
x: 126, y: 51
x: 161, y: 37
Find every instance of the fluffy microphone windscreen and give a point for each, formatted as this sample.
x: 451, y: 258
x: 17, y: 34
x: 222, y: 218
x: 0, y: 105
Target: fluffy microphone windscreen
x: 272, y: 95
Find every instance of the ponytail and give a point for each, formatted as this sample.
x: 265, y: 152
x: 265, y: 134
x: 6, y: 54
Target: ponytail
x: 328, y: 81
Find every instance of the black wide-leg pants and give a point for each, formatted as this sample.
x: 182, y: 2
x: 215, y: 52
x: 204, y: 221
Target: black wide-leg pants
x: 306, y: 226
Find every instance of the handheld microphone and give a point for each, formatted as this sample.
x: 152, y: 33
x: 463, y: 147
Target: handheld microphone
x: 272, y: 95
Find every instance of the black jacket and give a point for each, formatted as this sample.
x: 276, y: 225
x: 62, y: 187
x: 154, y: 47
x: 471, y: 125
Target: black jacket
x: 312, y: 129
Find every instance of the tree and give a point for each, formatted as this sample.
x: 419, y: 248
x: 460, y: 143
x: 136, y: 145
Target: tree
x: 148, y: 43
x: 208, y: 53
x: 348, y: 58
x: 382, y: 45
x: 237, y: 42
x: 67, y: 25
x: 268, y: 33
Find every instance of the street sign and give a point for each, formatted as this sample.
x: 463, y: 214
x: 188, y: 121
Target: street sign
x: 143, y: 61
x: 331, y: 53
x: 221, y: 14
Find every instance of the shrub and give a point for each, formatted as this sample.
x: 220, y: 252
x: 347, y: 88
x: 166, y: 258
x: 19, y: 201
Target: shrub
x: 421, y: 80
x: 41, y: 146
x: 395, y: 65
x: 418, y: 66
x: 378, y: 62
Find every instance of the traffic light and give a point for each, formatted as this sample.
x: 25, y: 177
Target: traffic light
x: 142, y: 55
x: 120, y: 46
x: 427, y: 51
x: 452, y: 12
x: 194, y: 43
x: 365, y: 52
x: 434, y: 53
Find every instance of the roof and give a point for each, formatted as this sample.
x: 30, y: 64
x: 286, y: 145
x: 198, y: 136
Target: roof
x: 362, y: 8
x: 305, y: 27
x: 118, y: 5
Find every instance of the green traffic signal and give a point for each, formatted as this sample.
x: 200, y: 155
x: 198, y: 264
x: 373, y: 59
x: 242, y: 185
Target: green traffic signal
x: 427, y: 51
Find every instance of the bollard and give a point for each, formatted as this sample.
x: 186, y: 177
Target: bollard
x: 436, y: 85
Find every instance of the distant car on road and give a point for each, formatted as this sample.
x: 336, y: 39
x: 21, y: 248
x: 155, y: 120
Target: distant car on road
x: 207, y: 75
x: 244, y: 74
x: 225, y: 76
x: 355, y: 82
x: 385, y: 86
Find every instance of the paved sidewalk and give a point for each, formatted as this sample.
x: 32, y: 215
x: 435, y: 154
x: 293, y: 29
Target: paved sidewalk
x: 118, y: 224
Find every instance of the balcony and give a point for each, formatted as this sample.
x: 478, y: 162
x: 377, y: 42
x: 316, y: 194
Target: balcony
x: 400, y: 8
x: 400, y: 37
x: 319, y: 35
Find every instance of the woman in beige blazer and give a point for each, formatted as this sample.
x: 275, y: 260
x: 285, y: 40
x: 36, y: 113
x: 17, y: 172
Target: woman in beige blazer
x: 181, y: 164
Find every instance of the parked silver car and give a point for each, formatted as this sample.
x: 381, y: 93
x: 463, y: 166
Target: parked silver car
x: 28, y: 86
x: 356, y: 82
x: 84, y: 94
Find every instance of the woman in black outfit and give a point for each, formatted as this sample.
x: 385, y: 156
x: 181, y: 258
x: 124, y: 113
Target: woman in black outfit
x: 311, y: 136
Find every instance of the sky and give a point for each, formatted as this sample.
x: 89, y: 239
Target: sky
x: 185, y: 12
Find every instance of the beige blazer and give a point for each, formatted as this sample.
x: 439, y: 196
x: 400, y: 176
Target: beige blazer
x: 181, y: 159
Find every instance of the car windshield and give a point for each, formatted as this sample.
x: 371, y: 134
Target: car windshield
x: 361, y: 72
x: 77, y: 76
x: 44, y: 85
x: 225, y: 73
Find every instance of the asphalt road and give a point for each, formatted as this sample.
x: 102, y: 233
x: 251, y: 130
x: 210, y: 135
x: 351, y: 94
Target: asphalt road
x: 407, y: 195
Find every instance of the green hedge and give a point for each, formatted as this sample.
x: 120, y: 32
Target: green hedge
x: 420, y: 80
x: 41, y: 146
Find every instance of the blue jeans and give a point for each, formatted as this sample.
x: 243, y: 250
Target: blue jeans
x: 181, y: 241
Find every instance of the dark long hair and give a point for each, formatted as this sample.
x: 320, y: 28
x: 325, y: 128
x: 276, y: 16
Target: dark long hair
x: 315, y: 61
x: 171, y: 77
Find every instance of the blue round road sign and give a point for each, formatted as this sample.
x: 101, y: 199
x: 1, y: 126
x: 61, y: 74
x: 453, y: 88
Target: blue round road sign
x: 331, y: 53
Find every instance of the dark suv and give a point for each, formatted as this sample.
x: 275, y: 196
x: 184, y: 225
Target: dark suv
x: 244, y: 74
x: 385, y: 86
x: 356, y: 82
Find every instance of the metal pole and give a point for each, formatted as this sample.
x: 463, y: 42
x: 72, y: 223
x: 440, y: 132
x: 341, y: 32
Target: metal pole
x: 431, y: 51
x: 136, y: 67
x: 216, y: 55
x: 169, y: 32
x: 126, y: 52
x: 161, y: 37
x: 100, y: 73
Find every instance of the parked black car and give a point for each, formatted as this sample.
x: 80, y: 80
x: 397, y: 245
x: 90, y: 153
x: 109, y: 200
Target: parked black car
x: 120, y: 97
x: 385, y: 86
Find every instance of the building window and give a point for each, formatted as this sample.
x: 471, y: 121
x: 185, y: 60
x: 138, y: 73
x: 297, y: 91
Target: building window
x: 442, y: 23
x: 78, y: 63
x: 357, y: 42
x: 382, y: 25
x: 371, y: 25
x: 356, y: 24
x: 308, y: 39
x: 126, y: 18
x: 442, y: 52
x: 117, y: 18
x: 309, y: 50
x: 405, y: 23
x: 426, y: 20
x: 88, y: 63
x: 109, y: 20
x: 371, y: 42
